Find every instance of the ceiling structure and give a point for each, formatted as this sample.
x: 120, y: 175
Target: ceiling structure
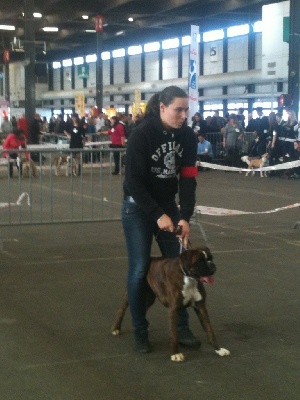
x: 152, y: 20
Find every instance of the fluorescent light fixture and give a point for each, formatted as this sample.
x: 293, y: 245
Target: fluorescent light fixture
x: 257, y: 26
x: 118, y: 53
x: 238, y: 30
x: 213, y: 35
x: 78, y: 60
x: 85, y: 17
x: 56, y: 65
x: 170, y: 44
x: 120, y: 33
x: 67, y: 63
x: 91, y: 58
x: 7, y: 27
x: 90, y: 31
x: 37, y: 15
x: 105, y: 55
x: 133, y: 50
x: 130, y: 19
x: 50, y: 29
x: 154, y: 46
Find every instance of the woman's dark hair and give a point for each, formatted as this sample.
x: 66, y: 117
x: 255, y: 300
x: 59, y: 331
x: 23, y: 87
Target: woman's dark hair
x: 116, y: 119
x: 166, y: 97
x: 19, y: 132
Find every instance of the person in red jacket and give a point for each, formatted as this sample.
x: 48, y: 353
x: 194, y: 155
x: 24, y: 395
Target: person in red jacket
x: 117, y: 136
x: 14, y: 141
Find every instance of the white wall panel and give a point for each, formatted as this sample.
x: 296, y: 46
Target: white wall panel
x: 91, y: 80
x: 212, y: 92
x: 56, y: 79
x: 67, y: 74
x: 239, y: 90
x: 151, y: 66
x: 135, y: 67
x: 106, y: 72
x: 238, y: 53
x: 186, y: 61
x: 119, y: 70
x: 258, y: 50
x: 170, y: 64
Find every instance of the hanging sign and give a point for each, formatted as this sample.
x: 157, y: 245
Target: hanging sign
x: 6, y: 56
x: 193, y: 72
x: 99, y: 23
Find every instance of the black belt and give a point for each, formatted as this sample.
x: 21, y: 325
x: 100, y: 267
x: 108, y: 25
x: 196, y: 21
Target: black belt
x: 129, y: 198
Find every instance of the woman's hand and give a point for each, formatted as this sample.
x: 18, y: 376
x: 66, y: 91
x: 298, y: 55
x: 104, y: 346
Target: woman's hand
x: 185, y: 232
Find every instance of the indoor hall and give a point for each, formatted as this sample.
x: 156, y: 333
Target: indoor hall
x: 61, y: 285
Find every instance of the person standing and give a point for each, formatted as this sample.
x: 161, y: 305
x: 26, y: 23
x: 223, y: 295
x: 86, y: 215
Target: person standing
x: 232, y: 140
x: 262, y: 131
x: 76, y: 135
x: 6, y: 127
x: 160, y: 161
x: 117, y: 136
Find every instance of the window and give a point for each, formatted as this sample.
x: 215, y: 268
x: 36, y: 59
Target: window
x: 105, y: 55
x: 148, y: 47
x: 133, y: 50
x: 213, y: 35
x: 257, y: 26
x: 67, y: 63
x: 91, y: 58
x: 56, y: 65
x: 170, y: 44
x: 238, y: 30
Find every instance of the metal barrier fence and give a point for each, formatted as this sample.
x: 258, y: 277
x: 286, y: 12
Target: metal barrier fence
x: 92, y: 195
x: 216, y: 140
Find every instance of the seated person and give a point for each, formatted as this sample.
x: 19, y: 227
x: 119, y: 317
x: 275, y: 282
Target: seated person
x: 14, y: 141
x: 204, y: 151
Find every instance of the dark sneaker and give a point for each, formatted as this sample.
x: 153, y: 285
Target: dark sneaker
x: 141, y: 343
x: 186, y: 338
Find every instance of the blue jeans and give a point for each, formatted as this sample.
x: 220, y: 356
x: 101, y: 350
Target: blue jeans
x: 139, y: 231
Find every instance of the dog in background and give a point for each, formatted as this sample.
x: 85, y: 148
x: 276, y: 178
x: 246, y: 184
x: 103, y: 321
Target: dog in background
x: 256, y: 163
x: 67, y: 161
x: 178, y: 283
x: 28, y: 168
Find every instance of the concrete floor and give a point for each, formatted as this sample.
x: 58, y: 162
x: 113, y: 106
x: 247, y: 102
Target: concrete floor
x: 61, y: 285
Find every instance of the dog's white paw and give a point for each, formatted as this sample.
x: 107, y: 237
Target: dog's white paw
x: 116, y: 332
x: 222, y: 352
x: 177, y: 357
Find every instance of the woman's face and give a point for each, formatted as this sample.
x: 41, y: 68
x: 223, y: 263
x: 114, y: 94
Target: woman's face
x: 174, y: 115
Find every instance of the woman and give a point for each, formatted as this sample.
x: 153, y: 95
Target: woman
x: 232, y: 140
x: 117, y: 136
x: 160, y: 161
x: 289, y: 133
x: 76, y: 135
x: 14, y: 141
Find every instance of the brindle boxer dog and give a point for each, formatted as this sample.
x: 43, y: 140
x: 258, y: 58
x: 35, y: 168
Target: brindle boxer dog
x: 178, y: 282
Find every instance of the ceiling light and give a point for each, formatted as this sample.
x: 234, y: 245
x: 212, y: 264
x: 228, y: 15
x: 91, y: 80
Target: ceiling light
x: 50, y: 29
x: 37, y: 15
x: 8, y: 27
x: 130, y: 19
x: 120, y: 33
x: 85, y: 17
x: 90, y: 31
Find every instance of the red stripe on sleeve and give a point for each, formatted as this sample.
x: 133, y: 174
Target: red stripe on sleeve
x: 188, y: 172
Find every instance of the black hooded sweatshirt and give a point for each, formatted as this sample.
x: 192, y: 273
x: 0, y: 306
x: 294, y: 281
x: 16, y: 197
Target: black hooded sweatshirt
x: 159, y: 164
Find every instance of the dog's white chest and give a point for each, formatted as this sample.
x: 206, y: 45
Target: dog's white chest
x: 190, y: 290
